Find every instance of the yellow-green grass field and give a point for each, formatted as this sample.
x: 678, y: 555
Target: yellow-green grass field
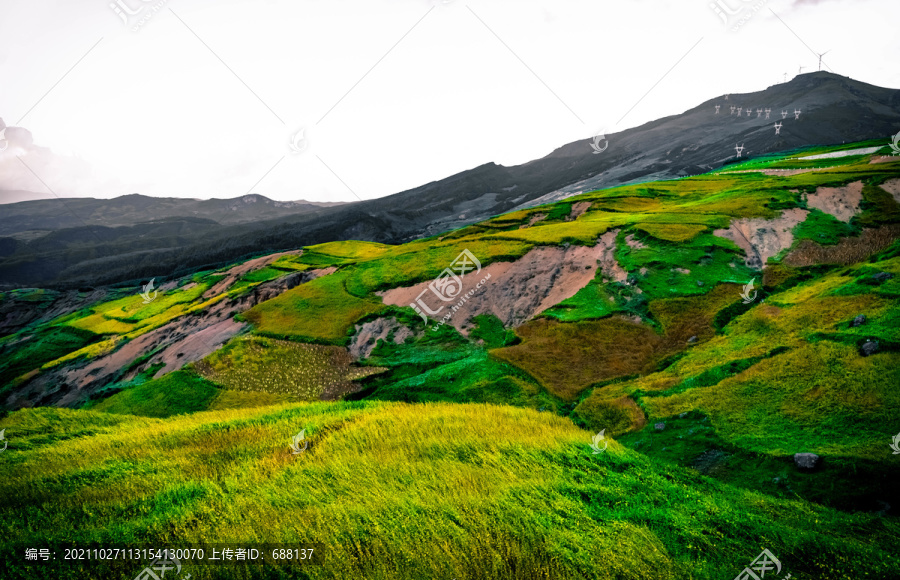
x: 400, y: 491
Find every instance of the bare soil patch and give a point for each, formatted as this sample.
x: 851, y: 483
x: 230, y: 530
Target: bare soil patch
x: 841, y: 202
x: 762, y: 239
x: 517, y: 291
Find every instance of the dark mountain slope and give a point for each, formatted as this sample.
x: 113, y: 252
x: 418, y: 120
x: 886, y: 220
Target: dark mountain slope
x: 833, y: 109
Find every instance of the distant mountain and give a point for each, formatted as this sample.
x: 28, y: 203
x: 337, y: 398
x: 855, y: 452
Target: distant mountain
x: 130, y: 210
x: 832, y: 110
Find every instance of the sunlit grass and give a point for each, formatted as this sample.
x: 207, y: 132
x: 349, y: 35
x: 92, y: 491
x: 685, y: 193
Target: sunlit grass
x: 408, y: 491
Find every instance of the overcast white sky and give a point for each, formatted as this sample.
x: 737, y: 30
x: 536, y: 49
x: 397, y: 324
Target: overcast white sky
x: 203, y: 99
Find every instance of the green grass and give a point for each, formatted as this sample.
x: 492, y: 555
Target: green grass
x: 48, y: 344
x: 823, y: 228
x: 408, y: 491
x: 173, y: 394
x: 319, y: 311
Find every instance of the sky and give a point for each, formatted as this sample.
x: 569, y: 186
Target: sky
x: 344, y: 100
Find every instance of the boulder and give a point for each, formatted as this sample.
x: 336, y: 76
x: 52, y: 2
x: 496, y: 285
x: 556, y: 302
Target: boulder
x: 806, y: 460
x: 882, y: 276
x: 659, y: 426
x: 869, y: 348
x: 858, y: 321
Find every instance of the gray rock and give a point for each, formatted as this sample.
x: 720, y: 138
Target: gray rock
x: 806, y: 460
x: 700, y: 283
x: 682, y: 415
x: 692, y: 340
x: 659, y: 426
x: 882, y: 276
x: 858, y: 321
x: 869, y: 348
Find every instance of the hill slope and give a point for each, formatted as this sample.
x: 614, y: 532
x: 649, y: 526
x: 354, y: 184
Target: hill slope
x: 710, y: 328
x: 833, y: 110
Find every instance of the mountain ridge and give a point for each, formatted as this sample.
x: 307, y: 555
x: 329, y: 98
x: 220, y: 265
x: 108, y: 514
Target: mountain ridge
x: 833, y: 109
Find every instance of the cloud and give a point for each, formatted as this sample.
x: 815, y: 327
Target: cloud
x: 25, y: 166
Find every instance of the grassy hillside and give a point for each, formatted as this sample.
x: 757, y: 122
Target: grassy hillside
x: 442, y: 451
x: 411, y: 491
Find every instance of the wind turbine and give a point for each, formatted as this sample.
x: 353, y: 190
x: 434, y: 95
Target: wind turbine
x: 820, y: 57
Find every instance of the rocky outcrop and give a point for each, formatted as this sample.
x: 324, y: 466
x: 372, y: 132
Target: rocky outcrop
x: 807, y: 461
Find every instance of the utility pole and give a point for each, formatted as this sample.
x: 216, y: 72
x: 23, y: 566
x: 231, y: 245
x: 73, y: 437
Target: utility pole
x: 800, y: 72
